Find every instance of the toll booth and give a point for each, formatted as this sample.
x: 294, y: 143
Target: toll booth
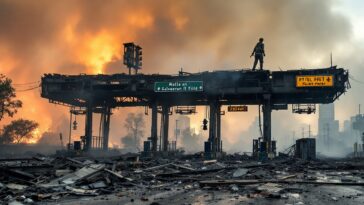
x: 306, y: 148
x: 260, y: 149
x: 208, y: 149
x: 147, y: 148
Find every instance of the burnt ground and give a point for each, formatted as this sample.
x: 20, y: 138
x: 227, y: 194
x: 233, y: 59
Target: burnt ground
x: 188, y: 180
x: 318, y: 195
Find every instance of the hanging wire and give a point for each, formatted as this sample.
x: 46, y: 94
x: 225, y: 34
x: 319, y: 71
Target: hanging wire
x: 26, y: 84
x: 27, y: 89
x: 358, y: 81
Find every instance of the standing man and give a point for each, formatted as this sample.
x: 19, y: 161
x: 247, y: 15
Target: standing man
x: 258, y: 53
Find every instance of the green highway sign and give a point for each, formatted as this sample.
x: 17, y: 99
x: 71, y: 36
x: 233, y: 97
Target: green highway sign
x: 179, y: 86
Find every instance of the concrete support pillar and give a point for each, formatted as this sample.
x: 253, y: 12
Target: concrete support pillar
x: 212, y: 127
x: 218, y: 128
x: 267, y: 120
x: 214, y: 146
x: 165, y: 126
x: 88, y: 127
x: 106, y: 128
x: 154, y: 129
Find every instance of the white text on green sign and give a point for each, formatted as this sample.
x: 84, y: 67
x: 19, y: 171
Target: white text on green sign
x: 179, y: 86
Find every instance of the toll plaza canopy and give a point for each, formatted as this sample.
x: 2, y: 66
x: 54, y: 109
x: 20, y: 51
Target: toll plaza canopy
x: 227, y: 87
x: 273, y: 90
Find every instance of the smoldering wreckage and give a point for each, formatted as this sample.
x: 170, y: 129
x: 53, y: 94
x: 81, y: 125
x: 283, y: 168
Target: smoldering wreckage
x: 162, y: 175
x: 187, y: 179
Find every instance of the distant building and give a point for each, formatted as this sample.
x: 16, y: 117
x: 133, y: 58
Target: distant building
x: 349, y: 133
x: 347, y: 126
x: 328, y: 127
x: 358, y: 126
x: 183, y: 123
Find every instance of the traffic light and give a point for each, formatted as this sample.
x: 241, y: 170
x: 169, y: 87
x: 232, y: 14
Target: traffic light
x: 204, y: 122
x: 75, y: 125
x: 129, y: 55
x: 139, y: 57
x: 133, y: 56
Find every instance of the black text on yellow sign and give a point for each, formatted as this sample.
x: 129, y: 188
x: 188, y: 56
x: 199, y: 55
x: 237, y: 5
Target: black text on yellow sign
x: 237, y: 108
x: 314, y: 81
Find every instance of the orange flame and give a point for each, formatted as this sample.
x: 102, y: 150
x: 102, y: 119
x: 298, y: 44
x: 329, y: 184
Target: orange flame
x: 100, y: 50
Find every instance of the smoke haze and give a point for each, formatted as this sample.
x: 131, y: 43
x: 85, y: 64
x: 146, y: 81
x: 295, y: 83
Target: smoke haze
x: 81, y: 36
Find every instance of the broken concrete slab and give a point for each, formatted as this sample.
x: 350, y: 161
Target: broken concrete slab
x: 97, y: 185
x: 270, y: 188
x: 240, y: 172
x: 15, y: 203
x: 72, y: 178
x: 118, y: 175
x: 16, y: 186
x: 79, y: 191
x: 62, y: 172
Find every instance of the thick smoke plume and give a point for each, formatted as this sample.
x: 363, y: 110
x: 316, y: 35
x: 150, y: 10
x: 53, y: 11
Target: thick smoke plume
x: 81, y: 36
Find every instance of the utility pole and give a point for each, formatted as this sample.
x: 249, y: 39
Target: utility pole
x: 303, y: 132
x: 359, y: 109
x: 61, y: 139
x: 328, y: 136
x: 176, y: 132
x: 294, y: 136
x: 309, y: 131
x: 70, y: 132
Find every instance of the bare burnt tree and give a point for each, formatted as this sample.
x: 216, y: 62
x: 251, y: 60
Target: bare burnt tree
x: 134, y: 123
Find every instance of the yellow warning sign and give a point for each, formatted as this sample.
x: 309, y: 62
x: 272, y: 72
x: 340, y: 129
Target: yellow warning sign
x: 314, y: 81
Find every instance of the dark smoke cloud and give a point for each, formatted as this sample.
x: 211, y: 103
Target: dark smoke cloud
x: 44, y: 36
x: 226, y: 30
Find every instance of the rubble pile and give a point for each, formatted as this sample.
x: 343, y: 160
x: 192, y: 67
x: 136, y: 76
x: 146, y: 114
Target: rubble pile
x: 53, y: 179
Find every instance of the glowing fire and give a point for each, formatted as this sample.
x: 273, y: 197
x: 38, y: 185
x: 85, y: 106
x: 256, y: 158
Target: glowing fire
x: 91, y: 50
x: 36, y: 134
x: 100, y: 50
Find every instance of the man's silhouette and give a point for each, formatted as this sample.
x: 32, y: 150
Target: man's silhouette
x: 258, y: 53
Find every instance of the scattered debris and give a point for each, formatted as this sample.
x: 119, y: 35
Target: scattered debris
x: 53, y: 179
x: 234, y: 188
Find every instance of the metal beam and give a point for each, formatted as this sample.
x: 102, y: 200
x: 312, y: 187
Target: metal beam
x: 267, y: 122
x: 248, y: 88
x: 165, y: 126
x: 154, y: 129
x: 88, y: 127
x: 212, y: 128
x: 218, y: 128
x: 106, y: 128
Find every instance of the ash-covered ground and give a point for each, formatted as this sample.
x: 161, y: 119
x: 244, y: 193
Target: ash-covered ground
x: 187, y: 179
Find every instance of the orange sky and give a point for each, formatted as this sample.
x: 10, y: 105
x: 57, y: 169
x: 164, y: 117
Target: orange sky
x: 72, y: 37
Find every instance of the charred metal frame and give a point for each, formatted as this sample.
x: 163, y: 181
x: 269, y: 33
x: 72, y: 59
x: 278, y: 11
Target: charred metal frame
x: 102, y: 93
